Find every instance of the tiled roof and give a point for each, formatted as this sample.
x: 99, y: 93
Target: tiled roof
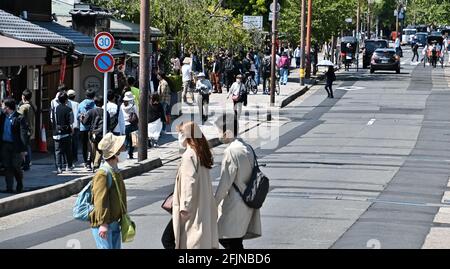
x: 20, y: 29
x: 83, y: 44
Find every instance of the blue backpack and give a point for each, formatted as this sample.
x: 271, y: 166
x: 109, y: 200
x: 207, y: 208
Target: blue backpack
x: 83, y: 205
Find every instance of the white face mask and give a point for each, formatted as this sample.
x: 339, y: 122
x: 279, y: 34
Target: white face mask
x: 182, y: 140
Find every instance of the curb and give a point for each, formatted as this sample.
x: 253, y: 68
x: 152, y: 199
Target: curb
x: 294, y: 96
x: 44, y: 196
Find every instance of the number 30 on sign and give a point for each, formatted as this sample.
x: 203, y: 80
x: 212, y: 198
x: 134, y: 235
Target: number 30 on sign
x: 104, y: 41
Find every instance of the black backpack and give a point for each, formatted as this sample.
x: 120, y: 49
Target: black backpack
x: 113, y: 121
x: 97, y: 126
x: 266, y: 64
x: 257, y: 188
x: 229, y: 66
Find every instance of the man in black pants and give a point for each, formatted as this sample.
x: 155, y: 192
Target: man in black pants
x: 62, y: 133
x: 415, y: 49
x: 15, y: 139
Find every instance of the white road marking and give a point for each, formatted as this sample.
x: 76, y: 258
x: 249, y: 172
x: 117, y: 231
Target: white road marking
x: 371, y: 122
x: 351, y: 88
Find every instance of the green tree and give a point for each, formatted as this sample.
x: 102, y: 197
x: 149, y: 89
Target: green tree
x: 429, y: 12
x: 328, y: 19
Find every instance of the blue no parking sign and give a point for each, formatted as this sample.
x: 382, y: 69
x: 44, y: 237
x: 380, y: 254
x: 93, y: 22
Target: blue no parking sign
x: 104, y: 62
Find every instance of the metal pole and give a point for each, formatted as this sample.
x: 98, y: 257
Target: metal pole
x: 358, y: 15
x: 274, y: 51
x: 302, y: 43
x: 144, y: 78
x: 308, y: 40
x: 105, y: 101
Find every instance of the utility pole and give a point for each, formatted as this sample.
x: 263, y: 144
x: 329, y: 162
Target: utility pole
x: 308, y: 40
x: 302, y: 43
x: 358, y: 15
x: 273, y: 60
x: 144, y: 78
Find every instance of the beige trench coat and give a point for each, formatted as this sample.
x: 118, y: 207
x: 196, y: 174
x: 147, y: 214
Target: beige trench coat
x: 193, y: 193
x: 236, y: 219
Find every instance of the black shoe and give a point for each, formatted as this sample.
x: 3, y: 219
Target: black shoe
x: 9, y: 191
x: 19, y: 188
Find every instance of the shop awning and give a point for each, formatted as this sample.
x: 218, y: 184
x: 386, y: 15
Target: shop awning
x: 26, y: 31
x: 84, y: 45
x: 14, y: 52
x: 132, y: 46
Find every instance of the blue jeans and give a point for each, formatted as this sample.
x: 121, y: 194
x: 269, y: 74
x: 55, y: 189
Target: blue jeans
x: 128, y: 130
x: 113, y: 239
x: 167, y: 112
x: 284, y: 72
x: 258, y: 76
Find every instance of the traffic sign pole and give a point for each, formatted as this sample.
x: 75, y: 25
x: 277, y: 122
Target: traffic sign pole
x: 104, y: 63
x: 105, y: 101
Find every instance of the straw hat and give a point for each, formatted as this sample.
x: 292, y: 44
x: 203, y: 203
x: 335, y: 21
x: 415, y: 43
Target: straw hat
x: 128, y: 96
x: 111, y: 144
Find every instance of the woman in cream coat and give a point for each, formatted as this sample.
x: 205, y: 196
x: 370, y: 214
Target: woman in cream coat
x: 236, y: 221
x: 194, y: 210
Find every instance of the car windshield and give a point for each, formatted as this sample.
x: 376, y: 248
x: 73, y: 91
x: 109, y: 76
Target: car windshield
x: 409, y: 31
x: 373, y: 45
x: 422, y: 38
x: 386, y: 54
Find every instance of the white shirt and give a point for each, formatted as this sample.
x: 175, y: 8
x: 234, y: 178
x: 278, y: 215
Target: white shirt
x: 298, y: 53
x: 186, y: 70
x: 127, y: 110
x: 236, y: 88
x: 113, y: 109
x: 74, y: 105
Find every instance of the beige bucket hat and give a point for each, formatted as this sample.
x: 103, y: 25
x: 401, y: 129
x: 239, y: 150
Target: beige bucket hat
x: 111, y: 144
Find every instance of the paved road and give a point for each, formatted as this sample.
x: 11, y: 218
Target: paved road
x: 366, y: 169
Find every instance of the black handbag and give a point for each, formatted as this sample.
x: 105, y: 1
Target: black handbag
x: 167, y: 204
x: 257, y: 188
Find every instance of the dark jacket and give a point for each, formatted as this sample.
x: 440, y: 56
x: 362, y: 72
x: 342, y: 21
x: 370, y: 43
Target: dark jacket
x: 331, y: 77
x: 64, y: 120
x: 92, y: 115
x: 19, y: 129
x: 155, y: 112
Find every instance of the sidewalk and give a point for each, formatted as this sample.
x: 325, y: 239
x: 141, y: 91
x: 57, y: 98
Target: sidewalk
x: 42, y: 185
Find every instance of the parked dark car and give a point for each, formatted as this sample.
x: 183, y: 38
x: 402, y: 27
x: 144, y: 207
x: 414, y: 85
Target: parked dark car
x: 385, y: 59
x: 369, y: 48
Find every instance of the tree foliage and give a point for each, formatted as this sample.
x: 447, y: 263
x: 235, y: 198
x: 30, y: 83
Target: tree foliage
x: 328, y: 18
x: 197, y: 24
x: 429, y: 12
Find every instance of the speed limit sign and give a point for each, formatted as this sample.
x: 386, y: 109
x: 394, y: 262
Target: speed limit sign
x: 104, y: 41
